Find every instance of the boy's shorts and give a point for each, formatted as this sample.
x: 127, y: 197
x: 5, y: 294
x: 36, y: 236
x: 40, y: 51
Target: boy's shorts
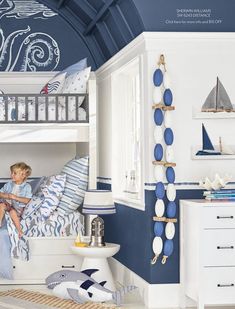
x: 9, y: 208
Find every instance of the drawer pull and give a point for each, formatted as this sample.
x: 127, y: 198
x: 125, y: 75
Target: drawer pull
x: 225, y: 247
x: 225, y: 285
x: 67, y: 266
x: 224, y: 217
x: 14, y: 267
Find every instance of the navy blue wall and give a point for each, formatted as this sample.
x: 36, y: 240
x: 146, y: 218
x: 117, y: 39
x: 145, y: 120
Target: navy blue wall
x: 133, y: 230
x: 49, y: 36
x: 161, y: 15
x: 38, y: 39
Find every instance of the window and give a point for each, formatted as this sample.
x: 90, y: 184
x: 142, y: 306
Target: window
x: 127, y: 172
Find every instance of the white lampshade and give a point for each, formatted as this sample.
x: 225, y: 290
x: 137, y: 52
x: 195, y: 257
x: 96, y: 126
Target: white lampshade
x: 98, y: 202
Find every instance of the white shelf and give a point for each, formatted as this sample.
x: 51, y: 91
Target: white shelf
x: 197, y: 114
x: 195, y: 149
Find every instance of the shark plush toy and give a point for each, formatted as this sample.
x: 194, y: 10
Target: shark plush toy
x: 81, y: 287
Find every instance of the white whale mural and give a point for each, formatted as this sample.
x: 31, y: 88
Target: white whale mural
x: 24, y: 9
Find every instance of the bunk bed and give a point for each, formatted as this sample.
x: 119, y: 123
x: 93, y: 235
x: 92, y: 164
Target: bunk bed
x: 66, y: 125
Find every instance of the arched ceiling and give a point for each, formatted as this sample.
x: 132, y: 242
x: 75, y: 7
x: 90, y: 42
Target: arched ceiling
x: 105, y: 26
x: 70, y: 30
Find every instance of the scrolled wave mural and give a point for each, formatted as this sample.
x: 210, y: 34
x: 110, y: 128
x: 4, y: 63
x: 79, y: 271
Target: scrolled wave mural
x: 35, y: 50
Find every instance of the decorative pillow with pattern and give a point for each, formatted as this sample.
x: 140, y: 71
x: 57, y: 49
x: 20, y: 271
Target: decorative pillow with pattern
x: 76, y: 171
x: 77, y: 83
x: 32, y: 206
x: 52, y: 191
x: 54, y: 85
x: 74, y: 68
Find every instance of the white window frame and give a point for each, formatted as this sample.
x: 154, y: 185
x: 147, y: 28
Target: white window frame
x: 120, y: 83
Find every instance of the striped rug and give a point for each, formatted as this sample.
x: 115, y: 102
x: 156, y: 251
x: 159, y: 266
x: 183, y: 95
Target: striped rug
x: 12, y: 298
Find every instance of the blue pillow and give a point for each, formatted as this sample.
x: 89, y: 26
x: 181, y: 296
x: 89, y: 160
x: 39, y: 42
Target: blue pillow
x: 74, y: 68
x: 36, y: 183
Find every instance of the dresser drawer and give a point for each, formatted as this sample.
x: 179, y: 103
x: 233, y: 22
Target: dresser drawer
x: 50, y: 245
x: 219, y: 285
x: 39, y: 267
x: 218, y: 217
x: 218, y: 247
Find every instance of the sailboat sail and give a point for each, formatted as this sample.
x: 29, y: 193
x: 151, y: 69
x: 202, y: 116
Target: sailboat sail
x: 206, y: 142
x: 217, y: 100
x: 207, y: 146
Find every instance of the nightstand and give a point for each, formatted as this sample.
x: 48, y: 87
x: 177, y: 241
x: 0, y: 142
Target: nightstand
x: 96, y: 258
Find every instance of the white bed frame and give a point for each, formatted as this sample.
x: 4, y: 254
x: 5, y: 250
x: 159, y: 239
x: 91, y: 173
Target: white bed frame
x: 18, y: 141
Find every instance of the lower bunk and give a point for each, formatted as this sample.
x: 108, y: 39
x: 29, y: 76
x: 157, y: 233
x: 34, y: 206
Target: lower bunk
x: 49, y: 243
x: 50, y: 223
x: 47, y: 255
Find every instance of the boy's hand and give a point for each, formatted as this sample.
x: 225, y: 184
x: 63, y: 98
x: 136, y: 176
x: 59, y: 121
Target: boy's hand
x: 12, y: 196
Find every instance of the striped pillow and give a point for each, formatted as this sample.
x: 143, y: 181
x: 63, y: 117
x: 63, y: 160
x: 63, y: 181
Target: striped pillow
x: 76, y: 172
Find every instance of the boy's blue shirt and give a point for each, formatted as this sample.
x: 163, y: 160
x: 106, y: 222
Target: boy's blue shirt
x: 25, y: 191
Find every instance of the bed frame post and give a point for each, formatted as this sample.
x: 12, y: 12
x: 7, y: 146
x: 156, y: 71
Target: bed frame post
x: 92, y: 146
x: 92, y: 133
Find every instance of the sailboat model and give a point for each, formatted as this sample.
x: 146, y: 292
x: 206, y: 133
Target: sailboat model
x: 209, y: 149
x: 217, y: 100
x: 207, y: 146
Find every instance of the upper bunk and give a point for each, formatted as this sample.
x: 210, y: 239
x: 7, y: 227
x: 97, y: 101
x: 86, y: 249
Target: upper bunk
x: 28, y: 116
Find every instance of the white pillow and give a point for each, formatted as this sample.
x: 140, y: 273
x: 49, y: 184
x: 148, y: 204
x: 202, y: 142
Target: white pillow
x: 54, y: 85
x: 77, y: 83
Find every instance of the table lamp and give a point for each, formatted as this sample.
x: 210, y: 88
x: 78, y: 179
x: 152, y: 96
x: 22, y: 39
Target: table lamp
x: 98, y: 202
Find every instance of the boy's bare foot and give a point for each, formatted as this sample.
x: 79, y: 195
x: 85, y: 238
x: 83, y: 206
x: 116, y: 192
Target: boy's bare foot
x: 20, y: 233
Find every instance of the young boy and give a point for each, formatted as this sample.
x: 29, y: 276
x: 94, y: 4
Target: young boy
x: 16, y: 193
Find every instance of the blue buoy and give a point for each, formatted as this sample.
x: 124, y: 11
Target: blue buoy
x: 167, y: 97
x: 160, y: 190
x: 170, y: 174
x: 171, y: 210
x: 168, y: 136
x: 158, y: 152
x: 158, y: 228
x: 168, y: 247
x: 157, y: 77
x: 158, y: 116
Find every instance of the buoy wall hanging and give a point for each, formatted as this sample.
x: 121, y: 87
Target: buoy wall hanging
x: 164, y: 219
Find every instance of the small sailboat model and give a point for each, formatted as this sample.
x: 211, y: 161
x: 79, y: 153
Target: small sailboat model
x: 218, y: 100
x: 207, y: 146
x: 209, y: 149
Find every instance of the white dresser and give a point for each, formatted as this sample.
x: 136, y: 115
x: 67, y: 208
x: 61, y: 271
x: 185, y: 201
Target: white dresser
x: 207, y: 252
